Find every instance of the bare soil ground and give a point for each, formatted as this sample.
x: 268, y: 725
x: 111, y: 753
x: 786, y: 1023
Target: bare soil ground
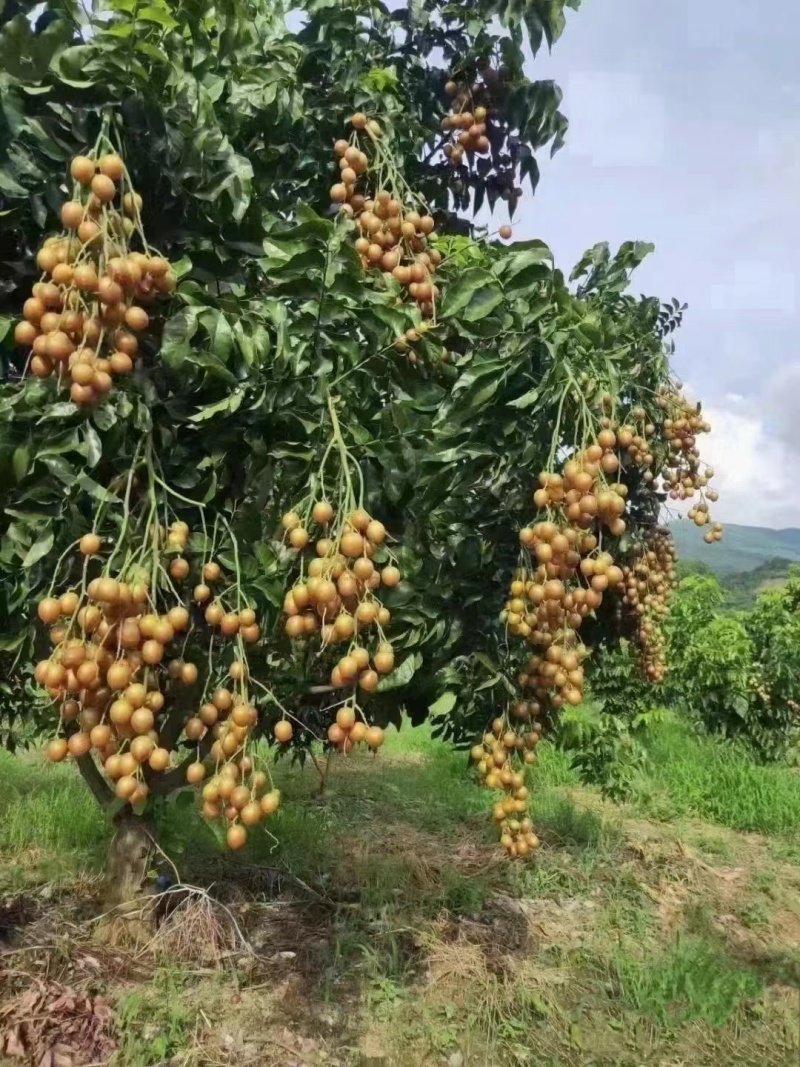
x: 390, y: 931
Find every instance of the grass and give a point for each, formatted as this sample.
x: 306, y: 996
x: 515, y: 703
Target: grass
x: 613, y: 943
x: 48, y: 827
x: 698, y: 776
x: 689, y: 981
x: 154, y: 1022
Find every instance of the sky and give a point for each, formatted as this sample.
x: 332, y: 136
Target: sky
x: 685, y: 131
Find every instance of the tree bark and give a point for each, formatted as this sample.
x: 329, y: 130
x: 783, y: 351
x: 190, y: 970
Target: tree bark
x: 129, y: 906
x: 128, y: 859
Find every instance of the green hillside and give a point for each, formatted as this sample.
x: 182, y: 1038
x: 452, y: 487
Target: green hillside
x: 743, y: 548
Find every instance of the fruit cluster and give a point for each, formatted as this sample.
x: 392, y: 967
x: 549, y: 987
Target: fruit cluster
x: 500, y: 760
x: 648, y: 585
x: 83, y: 316
x: 130, y: 673
x: 335, y: 596
x: 468, y: 128
x: 348, y: 730
x: 563, y: 574
x: 683, y: 476
x: 394, y: 229
x: 475, y: 128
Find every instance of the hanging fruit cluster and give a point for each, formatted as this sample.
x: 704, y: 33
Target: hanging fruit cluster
x: 500, y: 760
x: 475, y: 128
x: 348, y: 730
x: 468, y: 124
x: 394, y: 225
x: 683, y: 476
x: 147, y: 663
x: 335, y: 600
x: 564, y: 574
x: 82, y: 319
x: 649, y: 581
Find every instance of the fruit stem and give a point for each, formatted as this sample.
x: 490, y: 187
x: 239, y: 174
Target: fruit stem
x: 345, y: 456
x: 126, y: 504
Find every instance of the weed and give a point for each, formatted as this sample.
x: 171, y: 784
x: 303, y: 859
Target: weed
x: 153, y: 1022
x: 701, y: 776
x: 691, y: 981
x: 754, y: 914
x: 564, y: 822
x: 714, y: 847
x: 46, y: 810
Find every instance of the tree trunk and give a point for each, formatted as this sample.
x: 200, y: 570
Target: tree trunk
x: 127, y: 901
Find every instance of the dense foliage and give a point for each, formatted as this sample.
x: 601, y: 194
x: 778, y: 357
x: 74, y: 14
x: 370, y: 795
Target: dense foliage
x: 296, y: 392
x: 736, y: 673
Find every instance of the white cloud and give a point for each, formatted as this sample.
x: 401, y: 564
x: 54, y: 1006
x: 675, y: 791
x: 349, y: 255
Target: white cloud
x: 753, y: 470
x: 782, y: 403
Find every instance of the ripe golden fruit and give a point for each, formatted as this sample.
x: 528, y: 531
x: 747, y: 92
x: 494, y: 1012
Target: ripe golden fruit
x: 103, y: 188
x: 375, y: 737
x: 49, y: 610
x: 251, y: 814
x: 56, y: 750
x: 118, y: 675
x: 270, y: 802
x: 72, y: 214
x: 390, y: 575
x: 351, y: 544
x: 132, y: 204
x: 159, y: 759
x: 195, y: 773
x: 112, y: 166
x: 152, y: 652
x: 82, y: 169
x: 383, y: 660
x: 368, y: 681
x: 222, y: 699
x: 283, y: 731
x: 346, y: 717
x: 236, y: 837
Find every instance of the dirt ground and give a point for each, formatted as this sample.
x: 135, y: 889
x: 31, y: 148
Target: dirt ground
x: 626, y: 941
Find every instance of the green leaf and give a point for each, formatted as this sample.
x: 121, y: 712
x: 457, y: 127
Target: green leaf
x: 402, y: 674
x: 70, y: 64
x: 178, y: 332
x: 94, y: 446
x: 444, y: 705
x: 473, y: 296
x: 38, y: 549
x: 525, y: 265
x: 220, y: 335
x: 159, y: 15
x: 527, y: 400
x: 227, y: 404
x: 21, y: 461
x: 380, y: 80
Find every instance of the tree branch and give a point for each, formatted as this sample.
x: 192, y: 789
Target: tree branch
x: 89, y: 771
x: 163, y: 784
x: 174, y: 724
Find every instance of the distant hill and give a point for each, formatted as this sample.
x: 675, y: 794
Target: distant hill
x: 742, y: 548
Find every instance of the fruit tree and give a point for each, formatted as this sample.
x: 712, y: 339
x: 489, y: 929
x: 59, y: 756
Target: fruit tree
x: 290, y: 445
